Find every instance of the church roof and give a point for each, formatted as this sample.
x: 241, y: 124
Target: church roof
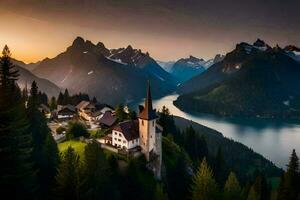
x: 147, y: 112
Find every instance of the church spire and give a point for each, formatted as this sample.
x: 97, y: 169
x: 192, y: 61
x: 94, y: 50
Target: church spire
x: 148, y: 113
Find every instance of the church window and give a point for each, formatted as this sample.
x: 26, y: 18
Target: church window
x: 142, y: 122
x: 153, y: 123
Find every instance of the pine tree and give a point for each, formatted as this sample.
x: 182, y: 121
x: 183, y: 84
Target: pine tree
x: 220, y: 167
x: 253, y: 195
x: 44, y: 145
x: 232, y: 188
x: 194, y: 144
x: 94, y: 100
x: 52, y: 103
x: 17, y: 176
x: 68, y: 177
x: 120, y: 113
x: 204, y: 185
x: 290, y: 182
x: 159, y: 193
x: 66, y: 97
x: 96, y: 173
x: 60, y: 99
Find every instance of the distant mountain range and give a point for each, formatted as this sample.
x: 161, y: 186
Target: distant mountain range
x: 27, y: 77
x: 112, y: 75
x: 252, y: 80
x: 186, y: 68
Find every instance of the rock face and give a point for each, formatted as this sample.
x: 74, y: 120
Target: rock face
x: 252, y: 80
x: 113, y: 76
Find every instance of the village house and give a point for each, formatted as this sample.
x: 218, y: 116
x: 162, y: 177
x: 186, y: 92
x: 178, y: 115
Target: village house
x: 143, y: 135
x: 92, y: 112
x: 66, y: 112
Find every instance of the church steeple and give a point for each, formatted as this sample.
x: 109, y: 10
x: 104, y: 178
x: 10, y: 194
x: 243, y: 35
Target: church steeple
x: 148, y: 113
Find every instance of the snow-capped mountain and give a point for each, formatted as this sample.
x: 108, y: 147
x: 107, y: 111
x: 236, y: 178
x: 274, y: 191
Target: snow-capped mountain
x: 113, y: 76
x: 293, y: 52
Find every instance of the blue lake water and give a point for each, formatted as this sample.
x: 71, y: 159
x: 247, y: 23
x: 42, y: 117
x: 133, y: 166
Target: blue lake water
x: 274, y: 139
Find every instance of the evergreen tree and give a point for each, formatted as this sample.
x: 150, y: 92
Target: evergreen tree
x: 17, y: 176
x: 45, y: 151
x: 204, y: 185
x: 52, y: 104
x: 220, y: 167
x: 60, y: 99
x: 253, y: 195
x: 290, y: 182
x: 96, y: 173
x: 232, y: 188
x: 68, y: 177
x: 260, y: 189
x: 159, y: 193
x: 94, y: 100
x: 120, y: 113
x: 66, y: 97
x: 194, y: 144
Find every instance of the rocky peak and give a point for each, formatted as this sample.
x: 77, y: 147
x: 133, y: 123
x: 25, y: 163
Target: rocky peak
x: 79, y: 41
x: 259, y: 43
x: 292, y: 48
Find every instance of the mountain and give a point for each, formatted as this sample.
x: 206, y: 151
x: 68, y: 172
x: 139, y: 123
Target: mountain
x: 113, y: 76
x: 29, y: 66
x: 293, y: 52
x: 26, y: 78
x: 251, y: 81
x: 186, y: 68
x: 167, y: 66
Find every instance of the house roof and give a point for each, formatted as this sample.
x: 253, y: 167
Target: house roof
x: 67, y: 107
x: 130, y: 129
x: 108, y: 119
x: 82, y: 104
x: 147, y: 112
x: 100, y: 106
x: 96, y: 113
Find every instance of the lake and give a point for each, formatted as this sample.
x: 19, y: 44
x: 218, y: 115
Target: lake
x: 274, y: 139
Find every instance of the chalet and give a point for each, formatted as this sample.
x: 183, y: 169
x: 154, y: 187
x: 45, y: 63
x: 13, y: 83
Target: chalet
x: 92, y: 112
x: 66, y: 112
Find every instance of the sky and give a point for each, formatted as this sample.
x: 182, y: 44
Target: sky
x: 167, y: 29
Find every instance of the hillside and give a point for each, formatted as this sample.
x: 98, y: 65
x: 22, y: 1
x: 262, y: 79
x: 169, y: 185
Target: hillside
x: 116, y: 75
x: 26, y: 77
x: 252, y: 81
x: 238, y: 157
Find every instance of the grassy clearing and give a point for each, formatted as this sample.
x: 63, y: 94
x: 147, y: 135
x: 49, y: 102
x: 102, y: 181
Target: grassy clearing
x: 77, y: 145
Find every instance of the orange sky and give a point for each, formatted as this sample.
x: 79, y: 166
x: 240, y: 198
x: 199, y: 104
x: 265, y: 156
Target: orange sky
x: 168, y: 32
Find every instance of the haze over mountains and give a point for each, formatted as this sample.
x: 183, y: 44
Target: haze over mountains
x: 113, y: 76
x: 250, y: 74
x: 252, y: 80
x: 27, y: 77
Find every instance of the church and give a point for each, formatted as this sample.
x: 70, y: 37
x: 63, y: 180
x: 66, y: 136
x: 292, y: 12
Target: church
x: 143, y: 135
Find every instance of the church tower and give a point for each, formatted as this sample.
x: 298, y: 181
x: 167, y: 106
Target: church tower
x: 147, y: 125
x: 150, y: 134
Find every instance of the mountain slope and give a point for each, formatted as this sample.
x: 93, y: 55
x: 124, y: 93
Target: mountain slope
x: 113, y: 76
x: 186, y: 68
x: 251, y: 81
x: 26, y: 77
x: 223, y: 69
